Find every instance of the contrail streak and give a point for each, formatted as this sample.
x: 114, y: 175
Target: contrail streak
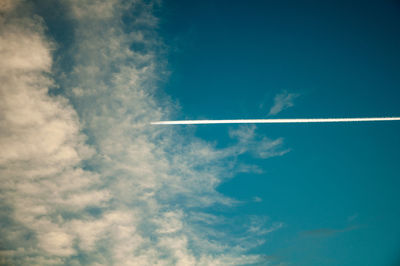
x: 276, y: 121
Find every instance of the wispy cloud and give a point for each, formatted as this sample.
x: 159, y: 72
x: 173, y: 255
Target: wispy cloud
x: 352, y: 217
x: 325, y: 232
x: 257, y: 199
x: 258, y: 146
x: 123, y: 192
x: 282, y: 101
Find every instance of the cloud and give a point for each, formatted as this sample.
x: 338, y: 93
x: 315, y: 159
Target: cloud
x: 84, y: 179
x: 41, y: 147
x: 352, y: 217
x: 8, y: 5
x: 257, y: 199
x: 259, y: 146
x: 326, y: 232
x: 282, y: 101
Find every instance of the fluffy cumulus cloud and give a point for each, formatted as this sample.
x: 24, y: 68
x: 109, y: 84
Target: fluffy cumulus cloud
x: 84, y: 179
x: 282, y: 101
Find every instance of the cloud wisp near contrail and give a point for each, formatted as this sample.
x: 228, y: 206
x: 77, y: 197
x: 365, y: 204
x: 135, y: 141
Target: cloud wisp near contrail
x: 276, y: 121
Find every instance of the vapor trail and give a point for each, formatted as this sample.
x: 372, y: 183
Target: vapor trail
x: 272, y: 121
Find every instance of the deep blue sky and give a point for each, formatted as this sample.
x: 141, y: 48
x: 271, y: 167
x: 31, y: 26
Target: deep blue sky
x: 337, y: 190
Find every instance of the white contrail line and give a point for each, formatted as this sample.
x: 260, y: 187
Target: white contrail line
x: 273, y: 121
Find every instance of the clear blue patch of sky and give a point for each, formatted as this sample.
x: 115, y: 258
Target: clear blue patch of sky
x: 228, y: 59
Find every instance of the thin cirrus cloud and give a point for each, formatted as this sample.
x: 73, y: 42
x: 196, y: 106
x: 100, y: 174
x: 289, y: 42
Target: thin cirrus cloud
x: 121, y: 193
x: 326, y: 232
x: 283, y: 101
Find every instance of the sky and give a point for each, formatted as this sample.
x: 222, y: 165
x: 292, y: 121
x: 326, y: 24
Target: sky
x: 87, y: 180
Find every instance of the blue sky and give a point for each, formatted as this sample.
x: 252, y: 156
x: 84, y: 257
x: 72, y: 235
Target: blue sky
x: 86, y: 180
x: 340, y: 59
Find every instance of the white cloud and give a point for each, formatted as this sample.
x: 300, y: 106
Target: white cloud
x: 8, y: 5
x: 56, y: 243
x: 259, y: 146
x: 41, y: 147
x: 282, y: 101
x: 128, y: 197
